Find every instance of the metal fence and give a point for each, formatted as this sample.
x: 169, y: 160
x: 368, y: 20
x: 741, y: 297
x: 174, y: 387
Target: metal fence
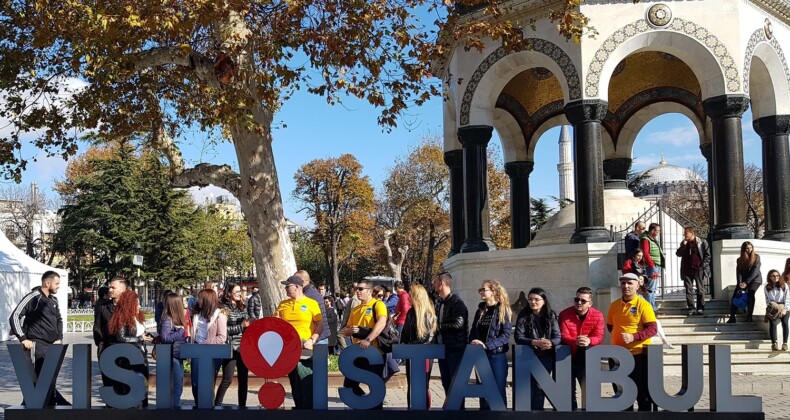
x: 87, y: 326
x: 89, y: 311
x: 672, y: 222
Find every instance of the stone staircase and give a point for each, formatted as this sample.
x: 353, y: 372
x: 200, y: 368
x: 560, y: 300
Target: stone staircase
x: 749, y: 344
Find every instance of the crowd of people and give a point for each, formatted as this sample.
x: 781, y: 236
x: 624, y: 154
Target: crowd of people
x: 418, y: 315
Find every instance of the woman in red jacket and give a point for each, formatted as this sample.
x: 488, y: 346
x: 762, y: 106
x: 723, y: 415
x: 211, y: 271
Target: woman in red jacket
x: 635, y: 264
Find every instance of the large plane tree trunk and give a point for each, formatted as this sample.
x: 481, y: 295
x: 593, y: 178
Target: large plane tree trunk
x: 262, y: 204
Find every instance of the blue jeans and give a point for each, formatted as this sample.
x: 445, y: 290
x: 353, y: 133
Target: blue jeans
x: 651, y: 284
x: 178, y: 381
x: 498, y: 364
x: 538, y: 397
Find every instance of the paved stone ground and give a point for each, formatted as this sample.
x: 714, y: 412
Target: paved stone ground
x: 774, y: 389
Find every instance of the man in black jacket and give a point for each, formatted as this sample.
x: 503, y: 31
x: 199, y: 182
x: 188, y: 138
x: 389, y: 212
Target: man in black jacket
x: 37, y: 323
x: 254, y: 304
x: 694, y: 254
x: 453, y: 327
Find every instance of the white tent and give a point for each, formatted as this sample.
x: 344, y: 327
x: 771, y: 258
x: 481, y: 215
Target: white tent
x: 20, y: 273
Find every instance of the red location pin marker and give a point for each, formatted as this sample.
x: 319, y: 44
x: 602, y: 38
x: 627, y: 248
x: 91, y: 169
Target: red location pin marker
x: 271, y: 395
x: 271, y: 348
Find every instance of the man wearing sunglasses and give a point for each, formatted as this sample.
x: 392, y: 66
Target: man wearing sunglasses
x: 581, y: 327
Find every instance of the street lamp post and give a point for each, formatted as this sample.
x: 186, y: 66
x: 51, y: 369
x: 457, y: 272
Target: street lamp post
x: 222, y: 265
x: 137, y: 260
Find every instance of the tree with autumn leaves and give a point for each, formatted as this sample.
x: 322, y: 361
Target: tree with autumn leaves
x: 413, y: 213
x: 154, y: 69
x: 334, y: 193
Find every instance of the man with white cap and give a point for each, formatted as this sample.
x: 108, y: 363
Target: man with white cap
x: 631, y: 322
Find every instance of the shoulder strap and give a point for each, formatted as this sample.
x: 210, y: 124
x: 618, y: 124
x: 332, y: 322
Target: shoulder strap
x: 375, y: 318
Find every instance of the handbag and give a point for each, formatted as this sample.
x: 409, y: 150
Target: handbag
x: 741, y: 299
x: 774, y: 311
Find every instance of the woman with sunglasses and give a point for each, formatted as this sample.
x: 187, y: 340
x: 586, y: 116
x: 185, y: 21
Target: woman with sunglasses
x: 235, y: 309
x: 537, y: 326
x: 491, y: 329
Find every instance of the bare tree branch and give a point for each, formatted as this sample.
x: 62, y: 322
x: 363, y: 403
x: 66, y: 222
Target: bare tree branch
x: 206, y: 174
x: 162, y: 142
x: 161, y: 56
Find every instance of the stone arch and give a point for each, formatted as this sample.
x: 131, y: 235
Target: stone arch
x: 501, y: 65
x: 703, y: 52
x: 764, y: 64
x: 634, y: 124
x: 555, y: 121
x: 510, y: 135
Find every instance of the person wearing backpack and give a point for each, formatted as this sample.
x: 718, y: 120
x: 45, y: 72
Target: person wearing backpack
x: 365, y: 322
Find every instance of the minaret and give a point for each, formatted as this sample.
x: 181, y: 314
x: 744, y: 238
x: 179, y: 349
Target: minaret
x: 565, y: 167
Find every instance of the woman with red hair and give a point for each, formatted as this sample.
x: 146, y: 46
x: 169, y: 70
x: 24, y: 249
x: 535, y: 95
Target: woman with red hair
x: 127, y: 325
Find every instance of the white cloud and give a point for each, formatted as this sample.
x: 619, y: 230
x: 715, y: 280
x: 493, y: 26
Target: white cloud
x: 45, y: 169
x: 68, y: 86
x: 676, y: 136
x: 684, y: 159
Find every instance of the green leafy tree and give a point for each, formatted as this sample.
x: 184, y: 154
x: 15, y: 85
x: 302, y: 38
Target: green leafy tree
x: 309, y: 256
x: 121, y: 204
x: 539, y: 215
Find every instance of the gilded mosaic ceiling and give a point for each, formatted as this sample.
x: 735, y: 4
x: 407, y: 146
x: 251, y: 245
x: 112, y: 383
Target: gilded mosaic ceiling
x: 647, y: 70
x: 534, y: 89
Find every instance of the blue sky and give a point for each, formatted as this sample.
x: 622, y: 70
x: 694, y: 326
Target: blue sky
x: 316, y: 130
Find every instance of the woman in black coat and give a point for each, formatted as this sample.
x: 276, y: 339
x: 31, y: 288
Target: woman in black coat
x: 235, y: 309
x: 537, y: 326
x: 747, y: 271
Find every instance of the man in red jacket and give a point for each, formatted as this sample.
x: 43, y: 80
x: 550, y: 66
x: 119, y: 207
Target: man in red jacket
x: 581, y: 327
x: 403, y: 306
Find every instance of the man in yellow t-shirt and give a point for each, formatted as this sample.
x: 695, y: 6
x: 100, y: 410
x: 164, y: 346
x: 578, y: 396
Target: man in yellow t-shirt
x: 631, y: 322
x: 364, y: 329
x: 305, y: 315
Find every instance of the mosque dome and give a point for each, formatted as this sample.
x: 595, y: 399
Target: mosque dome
x: 663, y: 179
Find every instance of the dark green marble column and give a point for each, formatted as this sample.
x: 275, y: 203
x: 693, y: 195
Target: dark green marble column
x: 728, y: 179
x: 519, y: 202
x: 586, y: 117
x: 776, y: 175
x: 475, y: 141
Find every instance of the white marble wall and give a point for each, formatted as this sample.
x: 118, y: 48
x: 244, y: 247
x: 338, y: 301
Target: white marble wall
x: 559, y: 269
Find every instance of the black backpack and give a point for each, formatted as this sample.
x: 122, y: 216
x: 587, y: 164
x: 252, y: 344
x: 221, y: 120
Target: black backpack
x: 389, y: 335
